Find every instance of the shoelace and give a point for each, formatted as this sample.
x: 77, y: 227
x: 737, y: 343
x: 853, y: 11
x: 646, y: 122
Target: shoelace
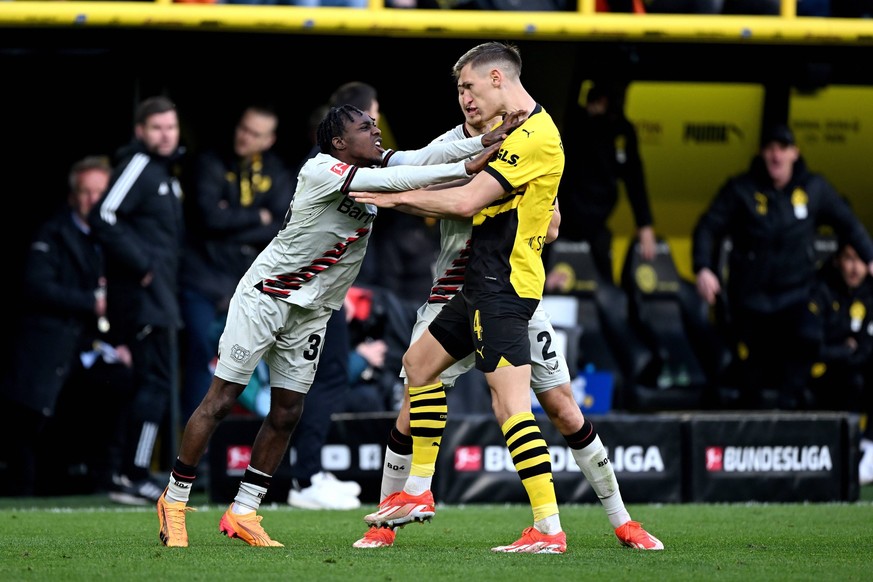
x: 528, y: 533
x: 389, y: 501
x: 176, y: 519
x: 381, y: 534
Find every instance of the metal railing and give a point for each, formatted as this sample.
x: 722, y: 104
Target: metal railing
x: 379, y: 20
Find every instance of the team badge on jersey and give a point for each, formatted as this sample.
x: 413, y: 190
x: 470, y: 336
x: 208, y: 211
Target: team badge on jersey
x: 340, y: 169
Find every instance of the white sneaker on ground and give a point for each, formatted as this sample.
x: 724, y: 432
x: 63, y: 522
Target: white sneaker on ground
x: 127, y: 492
x: 865, y: 468
x: 328, y: 479
x: 323, y: 495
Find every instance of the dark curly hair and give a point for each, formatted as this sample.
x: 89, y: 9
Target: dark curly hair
x: 333, y: 125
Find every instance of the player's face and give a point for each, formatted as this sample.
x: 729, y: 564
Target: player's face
x: 160, y: 133
x: 476, y: 125
x: 478, y: 93
x: 854, y: 270
x: 472, y: 117
x: 362, y: 141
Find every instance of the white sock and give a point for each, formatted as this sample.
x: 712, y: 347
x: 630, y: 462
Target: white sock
x: 249, y: 496
x: 178, y: 491
x: 549, y: 525
x: 394, y: 473
x: 417, y: 485
x: 601, y: 476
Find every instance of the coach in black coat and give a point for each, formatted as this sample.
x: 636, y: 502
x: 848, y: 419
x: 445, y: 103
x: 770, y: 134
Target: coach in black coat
x: 62, y: 274
x: 63, y: 296
x: 772, y: 214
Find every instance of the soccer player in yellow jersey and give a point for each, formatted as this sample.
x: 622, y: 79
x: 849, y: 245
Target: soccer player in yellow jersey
x: 550, y: 380
x: 511, y: 204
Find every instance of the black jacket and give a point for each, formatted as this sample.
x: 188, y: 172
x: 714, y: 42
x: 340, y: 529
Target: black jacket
x: 223, y: 223
x: 62, y: 272
x: 772, y: 262
x: 843, y: 313
x: 139, y: 223
x: 605, y: 152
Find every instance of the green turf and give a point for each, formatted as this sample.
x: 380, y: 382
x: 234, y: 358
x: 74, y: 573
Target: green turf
x: 86, y: 539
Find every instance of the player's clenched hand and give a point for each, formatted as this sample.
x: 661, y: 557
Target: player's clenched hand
x: 499, y: 133
x: 476, y: 165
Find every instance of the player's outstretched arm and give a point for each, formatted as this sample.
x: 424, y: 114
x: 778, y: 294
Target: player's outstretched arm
x: 459, y: 202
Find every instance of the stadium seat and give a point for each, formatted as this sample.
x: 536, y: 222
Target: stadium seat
x: 598, y: 310
x: 688, y: 354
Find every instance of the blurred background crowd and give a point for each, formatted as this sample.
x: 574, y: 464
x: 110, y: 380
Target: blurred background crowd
x: 763, y: 303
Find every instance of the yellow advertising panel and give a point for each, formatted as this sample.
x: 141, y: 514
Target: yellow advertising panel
x: 693, y: 136
x: 834, y: 129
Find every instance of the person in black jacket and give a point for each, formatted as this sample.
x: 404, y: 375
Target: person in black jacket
x: 139, y: 223
x: 63, y: 336
x: 235, y: 204
x: 842, y: 302
x: 606, y: 153
x: 771, y: 213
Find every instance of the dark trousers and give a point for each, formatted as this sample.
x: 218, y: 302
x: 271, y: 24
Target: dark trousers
x: 774, y: 353
x: 155, y: 403
x: 203, y: 323
x: 76, y: 450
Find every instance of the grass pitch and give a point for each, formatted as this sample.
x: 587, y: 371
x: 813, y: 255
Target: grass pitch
x: 86, y: 538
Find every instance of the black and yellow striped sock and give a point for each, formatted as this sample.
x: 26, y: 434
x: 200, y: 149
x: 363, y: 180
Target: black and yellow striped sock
x: 428, y: 411
x: 530, y: 454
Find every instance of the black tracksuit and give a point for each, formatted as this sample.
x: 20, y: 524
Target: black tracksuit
x: 606, y: 152
x: 771, y: 270
x: 140, y: 226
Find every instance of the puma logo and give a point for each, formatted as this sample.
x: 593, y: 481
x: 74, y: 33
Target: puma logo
x: 528, y: 133
x: 481, y: 353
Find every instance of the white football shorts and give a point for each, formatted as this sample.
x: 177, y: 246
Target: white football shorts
x: 548, y: 364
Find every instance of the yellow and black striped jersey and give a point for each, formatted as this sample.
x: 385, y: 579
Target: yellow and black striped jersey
x: 509, y: 234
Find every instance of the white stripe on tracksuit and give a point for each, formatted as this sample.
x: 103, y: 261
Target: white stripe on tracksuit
x: 122, y: 186
x: 146, y: 445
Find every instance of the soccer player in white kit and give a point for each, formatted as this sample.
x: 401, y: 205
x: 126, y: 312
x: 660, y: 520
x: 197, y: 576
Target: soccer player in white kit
x: 550, y: 380
x: 281, y: 306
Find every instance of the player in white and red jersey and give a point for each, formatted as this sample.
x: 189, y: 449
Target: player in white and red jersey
x: 281, y: 306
